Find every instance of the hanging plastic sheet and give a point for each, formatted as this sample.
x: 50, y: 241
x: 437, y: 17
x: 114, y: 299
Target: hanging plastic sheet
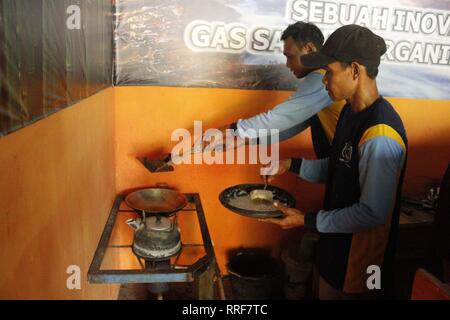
x: 48, y: 61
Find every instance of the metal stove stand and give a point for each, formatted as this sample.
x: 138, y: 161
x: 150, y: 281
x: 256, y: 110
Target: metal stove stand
x: 204, y: 272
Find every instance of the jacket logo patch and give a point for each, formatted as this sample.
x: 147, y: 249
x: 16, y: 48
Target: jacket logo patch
x: 346, y: 154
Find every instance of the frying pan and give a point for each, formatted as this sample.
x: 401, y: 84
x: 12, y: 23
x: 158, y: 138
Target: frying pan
x: 156, y: 201
x: 244, y: 190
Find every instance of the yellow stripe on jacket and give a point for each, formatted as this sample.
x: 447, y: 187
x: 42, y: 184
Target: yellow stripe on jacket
x: 382, y: 130
x: 329, y: 116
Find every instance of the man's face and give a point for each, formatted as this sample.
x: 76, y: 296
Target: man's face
x: 340, y: 82
x: 293, y: 54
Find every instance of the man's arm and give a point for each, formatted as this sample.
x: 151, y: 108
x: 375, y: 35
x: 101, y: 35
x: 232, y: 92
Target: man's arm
x: 380, y: 165
x: 291, y: 116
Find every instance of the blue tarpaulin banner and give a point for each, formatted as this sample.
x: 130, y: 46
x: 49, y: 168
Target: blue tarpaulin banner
x: 236, y: 43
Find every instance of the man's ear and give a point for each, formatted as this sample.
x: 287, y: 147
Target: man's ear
x: 310, y: 47
x: 356, y: 70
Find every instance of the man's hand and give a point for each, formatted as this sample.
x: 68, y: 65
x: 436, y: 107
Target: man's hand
x: 216, y: 139
x: 283, y: 166
x: 291, y: 217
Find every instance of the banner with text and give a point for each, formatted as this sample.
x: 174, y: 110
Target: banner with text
x: 236, y: 43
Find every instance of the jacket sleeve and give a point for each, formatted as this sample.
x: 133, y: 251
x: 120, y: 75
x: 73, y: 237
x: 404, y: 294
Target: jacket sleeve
x: 310, y: 170
x: 291, y: 116
x: 380, y: 165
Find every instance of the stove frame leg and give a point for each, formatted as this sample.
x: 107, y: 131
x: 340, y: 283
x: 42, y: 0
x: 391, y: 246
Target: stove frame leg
x: 206, y: 282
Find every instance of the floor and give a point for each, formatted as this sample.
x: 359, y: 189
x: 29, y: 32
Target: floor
x: 176, y: 291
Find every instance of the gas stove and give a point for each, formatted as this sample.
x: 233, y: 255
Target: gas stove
x: 116, y: 259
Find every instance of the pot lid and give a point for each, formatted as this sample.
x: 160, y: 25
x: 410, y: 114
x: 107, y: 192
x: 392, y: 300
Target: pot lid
x: 158, y: 223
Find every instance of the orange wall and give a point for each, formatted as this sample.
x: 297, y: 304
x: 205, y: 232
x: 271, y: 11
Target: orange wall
x: 56, y: 189
x: 427, y: 124
x: 146, y: 117
x: 59, y: 177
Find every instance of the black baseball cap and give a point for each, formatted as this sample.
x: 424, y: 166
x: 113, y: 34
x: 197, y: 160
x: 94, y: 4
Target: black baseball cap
x: 347, y: 44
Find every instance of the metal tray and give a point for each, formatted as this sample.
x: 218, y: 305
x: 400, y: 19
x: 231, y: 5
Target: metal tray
x: 242, y: 189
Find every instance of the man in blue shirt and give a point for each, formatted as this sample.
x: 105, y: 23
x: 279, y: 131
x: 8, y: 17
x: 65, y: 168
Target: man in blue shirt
x: 363, y: 172
x: 309, y: 106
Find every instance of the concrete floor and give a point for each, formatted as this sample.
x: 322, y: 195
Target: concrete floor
x: 177, y: 291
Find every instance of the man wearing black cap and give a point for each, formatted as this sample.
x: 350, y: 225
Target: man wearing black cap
x: 363, y: 174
